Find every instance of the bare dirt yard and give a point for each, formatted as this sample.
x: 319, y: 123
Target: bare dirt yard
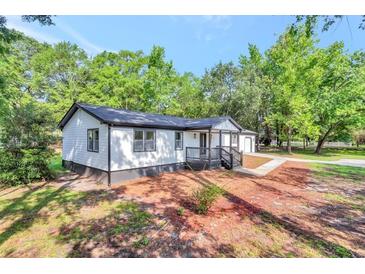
x: 295, y: 211
x: 250, y: 161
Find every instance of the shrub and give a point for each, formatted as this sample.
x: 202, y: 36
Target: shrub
x: 205, y: 197
x: 144, y: 241
x: 180, y: 211
x: 24, y: 166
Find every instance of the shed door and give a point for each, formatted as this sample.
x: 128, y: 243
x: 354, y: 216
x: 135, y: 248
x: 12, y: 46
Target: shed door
x: 248, y: 144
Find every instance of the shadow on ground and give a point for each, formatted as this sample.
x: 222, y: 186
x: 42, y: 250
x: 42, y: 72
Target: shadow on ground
x: 143, y: 220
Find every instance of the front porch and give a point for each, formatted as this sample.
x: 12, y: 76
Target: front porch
x: 216, y: 148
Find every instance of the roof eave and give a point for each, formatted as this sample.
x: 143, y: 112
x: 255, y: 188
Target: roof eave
x: 117, y: 124
x: 65, y: 117
x: 73, y: 109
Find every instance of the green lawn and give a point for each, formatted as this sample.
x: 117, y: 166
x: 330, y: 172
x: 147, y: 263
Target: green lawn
x: 55, y: 165
x: 327, y: 154
x: 345, y: 186
x: 346, y: 173
x: 45, y: 221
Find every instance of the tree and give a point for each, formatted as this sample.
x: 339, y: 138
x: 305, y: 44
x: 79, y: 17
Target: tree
x: 359, y: 136
x: 187, y: 98
x: 25, y: 127
x: 219, y: 85
x: 311, y: 21
x: 254, y: 92
x: 159, y: 82
x: 6, y: 35
x: 59, y: 75
x: 8, y: 61
x: 15, y: 72
x: 340, y: 98
x: 289, y: 66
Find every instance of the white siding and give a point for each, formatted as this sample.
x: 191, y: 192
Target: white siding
x: 244, y: 144
x: 225, y: 139
x: 226, y: 125
x: 74, y: 146
x: 123, y: 156
x: 190, y: 141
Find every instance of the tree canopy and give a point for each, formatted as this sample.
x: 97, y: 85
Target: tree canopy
x: 293, y: 91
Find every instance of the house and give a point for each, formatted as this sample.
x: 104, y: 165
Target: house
x: 115, y: 144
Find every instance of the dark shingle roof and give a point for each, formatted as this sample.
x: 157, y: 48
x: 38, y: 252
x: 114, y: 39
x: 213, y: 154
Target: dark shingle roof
x: 124, y: 117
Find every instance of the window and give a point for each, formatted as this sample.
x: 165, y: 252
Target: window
x: 93, y: 140
x: 149, y: 140
x: 178, y: 140
x: 138, y: 140
x: 144, y: 140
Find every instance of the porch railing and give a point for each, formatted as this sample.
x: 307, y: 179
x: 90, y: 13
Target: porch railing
x: 213, y: 157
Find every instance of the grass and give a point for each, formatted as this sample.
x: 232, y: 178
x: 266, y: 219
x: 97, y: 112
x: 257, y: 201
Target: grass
x: 327, y: 154
x: 180, y: 211
x: 356, y: 203
x: 348, y: 173
x: 342, y: 177
x: 45, y: 221
x: 55, y: 165
x: 274, y: 237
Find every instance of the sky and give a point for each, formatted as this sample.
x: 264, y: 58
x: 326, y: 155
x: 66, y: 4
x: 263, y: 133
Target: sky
x: 192, y: 43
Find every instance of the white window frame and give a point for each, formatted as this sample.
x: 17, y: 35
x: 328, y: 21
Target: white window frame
x: 144, y: 140
x: 181, y: 140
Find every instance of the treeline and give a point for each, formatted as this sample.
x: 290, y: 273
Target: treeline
x: 294, y: 90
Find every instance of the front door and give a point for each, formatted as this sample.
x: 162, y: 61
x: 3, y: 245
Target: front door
x: 203, y: 143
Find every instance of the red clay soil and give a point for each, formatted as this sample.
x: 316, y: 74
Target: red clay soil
x: 250, y: 161
x: 278, y: 215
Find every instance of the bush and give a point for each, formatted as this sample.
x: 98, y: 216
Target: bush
x: 205, y: 197
x: 24, y: 166
x: 180, y: 211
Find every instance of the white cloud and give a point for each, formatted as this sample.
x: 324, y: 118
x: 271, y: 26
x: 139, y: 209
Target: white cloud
x: 207, y: 27
x: 218, y: 21
x: 222, y: 22
x: 15, y: 22
x: 84, y: 43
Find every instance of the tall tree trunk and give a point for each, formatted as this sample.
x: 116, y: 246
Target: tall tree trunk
x: 304, y: 143
x: 321, y: 141
x: 289, y: 141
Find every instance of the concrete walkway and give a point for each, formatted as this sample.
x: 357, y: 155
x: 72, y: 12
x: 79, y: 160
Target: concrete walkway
x: 342, y: 162
x: 263, y: 169
x: 278, y: 160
